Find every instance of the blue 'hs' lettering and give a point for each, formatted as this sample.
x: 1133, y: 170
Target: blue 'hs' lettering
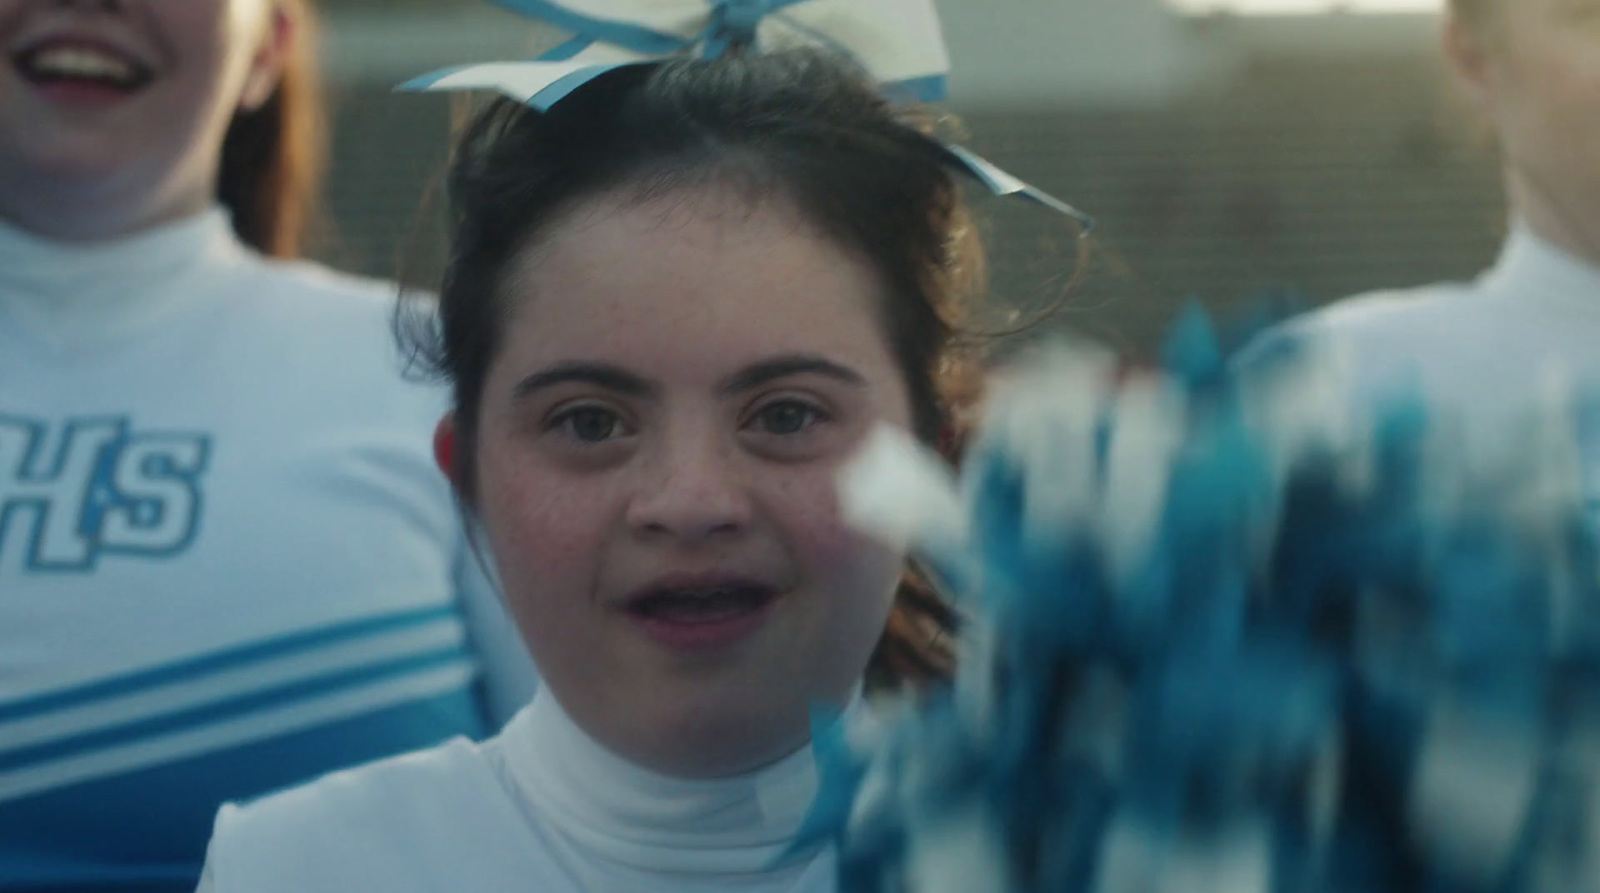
x: 102, y: 490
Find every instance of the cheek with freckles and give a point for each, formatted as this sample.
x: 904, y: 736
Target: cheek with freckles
x: 548, y: 533
x: 858, y: 574
x: 806, y: 506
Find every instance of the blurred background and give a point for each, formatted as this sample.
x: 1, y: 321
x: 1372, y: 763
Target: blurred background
x: 1233, y: 150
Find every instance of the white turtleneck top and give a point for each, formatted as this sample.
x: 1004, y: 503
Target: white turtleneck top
x: 1485, y: 351
x: 227, y: 563
x: 541, y: 808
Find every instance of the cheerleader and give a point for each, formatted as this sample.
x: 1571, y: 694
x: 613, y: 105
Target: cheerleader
x: 681, y: 294
x: 1486, y: 349
x: 227, y: 562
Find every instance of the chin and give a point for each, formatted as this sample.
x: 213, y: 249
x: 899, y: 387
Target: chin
x: 79, y: 159
x: 709, y: 734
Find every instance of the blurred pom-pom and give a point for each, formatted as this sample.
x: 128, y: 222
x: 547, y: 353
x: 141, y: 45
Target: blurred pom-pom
x: 1226, y: 634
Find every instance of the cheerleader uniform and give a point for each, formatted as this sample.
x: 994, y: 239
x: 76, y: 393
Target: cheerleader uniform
x: 227, y: 561
x: 542, y: 808
x: 1485, y: 352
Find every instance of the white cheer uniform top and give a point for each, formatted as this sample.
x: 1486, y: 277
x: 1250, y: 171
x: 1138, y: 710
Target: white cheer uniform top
x: 542, y: 809
x: 1485, y: 351
x: 227, y: 561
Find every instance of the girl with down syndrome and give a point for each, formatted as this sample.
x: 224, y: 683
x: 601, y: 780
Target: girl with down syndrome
x: 680, y: 295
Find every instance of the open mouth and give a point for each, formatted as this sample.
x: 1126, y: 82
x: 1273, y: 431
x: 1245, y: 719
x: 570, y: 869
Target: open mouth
x: 701, y: 606
x: 76, y: 64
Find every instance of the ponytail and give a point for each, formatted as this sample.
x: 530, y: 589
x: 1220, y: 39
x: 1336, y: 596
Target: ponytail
x: 273, y: 157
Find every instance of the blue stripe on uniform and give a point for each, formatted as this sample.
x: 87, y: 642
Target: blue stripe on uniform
x: 222, y: 660
x: 213, y: 713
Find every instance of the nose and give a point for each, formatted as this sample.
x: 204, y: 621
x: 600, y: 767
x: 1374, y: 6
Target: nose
x: 692, y: 488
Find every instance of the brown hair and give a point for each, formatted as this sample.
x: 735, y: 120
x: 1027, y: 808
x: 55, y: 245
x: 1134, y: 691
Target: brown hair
x: 273, y: 157
x: 801, y: 124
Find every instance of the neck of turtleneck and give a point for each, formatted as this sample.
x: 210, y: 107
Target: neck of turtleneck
x: 617, y: 813
x: 1533, y: 269
x: 69, y: 293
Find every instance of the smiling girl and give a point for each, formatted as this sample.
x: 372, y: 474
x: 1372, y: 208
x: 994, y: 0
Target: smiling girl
x: 226, y: 560
x: 678, y: 302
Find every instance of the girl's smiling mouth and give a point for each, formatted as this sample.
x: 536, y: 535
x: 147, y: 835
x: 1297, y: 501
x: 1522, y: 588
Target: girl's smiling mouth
x: 68, y: 68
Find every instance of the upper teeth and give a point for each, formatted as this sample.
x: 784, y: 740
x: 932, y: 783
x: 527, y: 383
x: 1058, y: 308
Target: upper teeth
x: 76, y: 62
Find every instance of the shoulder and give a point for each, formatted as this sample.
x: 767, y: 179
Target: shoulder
x: 1401, y: 310
x: 390, y: 789
x: 301, y: 320
x: 379, y: 826
x: 310, y: 288
x: 268, y: 295
x: 1400, y: 324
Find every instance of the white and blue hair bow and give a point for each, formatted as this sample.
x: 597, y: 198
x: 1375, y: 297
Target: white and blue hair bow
x: 898, y: 42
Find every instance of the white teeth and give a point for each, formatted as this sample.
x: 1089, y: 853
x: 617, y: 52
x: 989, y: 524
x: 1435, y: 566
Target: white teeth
x: 78, y: 62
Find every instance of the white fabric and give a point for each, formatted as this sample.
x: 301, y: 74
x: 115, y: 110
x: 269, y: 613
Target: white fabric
x: 541, y: 808
x: 220, y: 527
x: 1488, y: 351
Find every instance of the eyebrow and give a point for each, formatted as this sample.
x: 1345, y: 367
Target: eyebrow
x: 615, y: 378
x: 612, y: 378
x: 776, y: 368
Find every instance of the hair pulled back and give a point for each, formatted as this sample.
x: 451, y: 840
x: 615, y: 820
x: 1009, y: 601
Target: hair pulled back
x: 274, y: 156
x: 803, y: 126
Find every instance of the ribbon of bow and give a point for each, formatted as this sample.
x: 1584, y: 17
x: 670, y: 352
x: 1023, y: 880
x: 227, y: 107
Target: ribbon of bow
x: 898, y: 42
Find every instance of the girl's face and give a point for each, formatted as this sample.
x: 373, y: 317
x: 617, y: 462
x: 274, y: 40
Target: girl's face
x: 1538, y: 77
x: 680, y: 380
x: 113, y: 112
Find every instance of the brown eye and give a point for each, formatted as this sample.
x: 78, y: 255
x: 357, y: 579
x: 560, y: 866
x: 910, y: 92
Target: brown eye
x: 590, y: 424
x: 786, y: 417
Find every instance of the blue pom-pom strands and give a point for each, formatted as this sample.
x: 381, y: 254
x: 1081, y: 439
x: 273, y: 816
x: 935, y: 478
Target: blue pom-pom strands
x: 1228, y: 636
x: 898, y: 42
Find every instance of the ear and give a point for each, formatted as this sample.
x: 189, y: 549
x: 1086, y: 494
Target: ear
x: 270, y: 59
x: 444, y: 448
x: 1471, y: 60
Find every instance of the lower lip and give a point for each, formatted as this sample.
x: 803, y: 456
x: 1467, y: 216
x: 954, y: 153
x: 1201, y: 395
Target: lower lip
x: 706, y: 636
x: 82, y: 95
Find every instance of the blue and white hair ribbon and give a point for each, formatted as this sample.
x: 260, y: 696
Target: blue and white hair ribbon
x: 898, y: 42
